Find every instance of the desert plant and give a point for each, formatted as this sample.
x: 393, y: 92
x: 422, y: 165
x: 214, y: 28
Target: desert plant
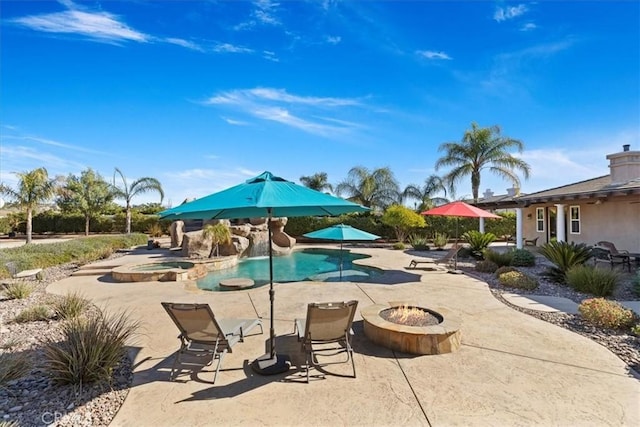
x: 91, y: 349
x: 486, y: 266
x: 419, y: 243
x: 18, y: 290
x: 635, y: 330
x: 592, y: 280
x: 218, y: 233
x: 440, y: 240
x: 402, y: 220
x: 155, y: 230
x: 500, y: 258
x: 605, y: 313
x: 399, y: 246
x: 505, y: 269
x: 522, y: 258
x: 70, y: 306
x: 9, y: 343
x: 33, y: 314
x: 13, y: 366
x: 564, y: 256
x: 478, y: 241
x: 517, y: 279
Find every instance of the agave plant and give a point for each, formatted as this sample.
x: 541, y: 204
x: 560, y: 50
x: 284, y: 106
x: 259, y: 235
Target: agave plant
x: 478, y: 241
x: 564, y: 256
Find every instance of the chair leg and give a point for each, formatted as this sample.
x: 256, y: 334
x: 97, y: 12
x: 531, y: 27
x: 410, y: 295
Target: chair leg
x: 220, y: 356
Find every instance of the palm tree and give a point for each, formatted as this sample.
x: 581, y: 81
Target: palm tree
x: 88, y: 194
x: 378, y: 189
x: 219, y: 233
x: 482, y: 148
x: 34, y: 188
x: 426, y: 194
x: 317, y: 181
x: 127, y: 192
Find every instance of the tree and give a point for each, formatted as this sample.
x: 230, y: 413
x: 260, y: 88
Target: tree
x: 402, y: 220
x: 34, y: 188
x: 377, y: 189
x: 88, y: 194
x: 218, y: 233
x: 481, y: 148
x: 317, y: 181
x: 128, y: 192
x: 426, y: 194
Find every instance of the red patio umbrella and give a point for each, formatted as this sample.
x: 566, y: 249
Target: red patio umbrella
x: 459, y: 209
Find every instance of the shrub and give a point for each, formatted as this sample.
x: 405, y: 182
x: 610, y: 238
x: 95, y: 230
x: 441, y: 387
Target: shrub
x: 635, y: 330
x: 33, y: 314
x: 486, y: 266
x: 155, y: 230
x: 517, y: 279
x: 10, y: 343
x: 605, y: 313
x: 70, y: 306
x: 419, y: 243
x: 402, y: 220
x: 522, y: 258
x: 505, y: 269
x: 18, y: 290
x: 592, y: 280
x: 564, y: 256
x: 92, y: 348
x: 13, y: 366
x: 478, y: 241
x: 500, y: 258
x: 399, y: 246
x: 440, y: 240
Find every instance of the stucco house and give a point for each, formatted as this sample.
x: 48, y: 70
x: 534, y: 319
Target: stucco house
x: 601, y: 208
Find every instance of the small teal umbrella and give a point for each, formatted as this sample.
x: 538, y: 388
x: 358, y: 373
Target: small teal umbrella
x: 341, y: 233
x: 265, y: 196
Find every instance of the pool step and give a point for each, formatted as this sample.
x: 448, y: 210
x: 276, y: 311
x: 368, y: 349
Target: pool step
x: 94, y: 270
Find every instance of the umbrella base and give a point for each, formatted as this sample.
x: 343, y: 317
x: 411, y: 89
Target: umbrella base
x: 266, y: 365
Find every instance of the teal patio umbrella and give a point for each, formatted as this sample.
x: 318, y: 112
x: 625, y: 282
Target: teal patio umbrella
x: 265, y: 196
x: 341, y: 233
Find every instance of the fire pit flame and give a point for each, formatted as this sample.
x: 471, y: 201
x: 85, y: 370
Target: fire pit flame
x: 410, y: 316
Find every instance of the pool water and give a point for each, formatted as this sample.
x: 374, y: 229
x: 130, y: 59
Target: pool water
x: 308, y: 264
x: 165, y: 265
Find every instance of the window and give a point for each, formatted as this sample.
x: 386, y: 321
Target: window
x: 540, y: 220
x: 575, y: 219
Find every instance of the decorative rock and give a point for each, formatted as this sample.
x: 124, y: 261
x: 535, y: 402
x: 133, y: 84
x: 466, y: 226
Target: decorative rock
x: 15, y: 409
x: 236, y: 283
x: 240, y: 230
x: 194, y: 245
x: 176, y: 231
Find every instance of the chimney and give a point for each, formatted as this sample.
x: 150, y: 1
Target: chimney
x: 624, y: 166
x: 513, y: 191
x: 488, y: 193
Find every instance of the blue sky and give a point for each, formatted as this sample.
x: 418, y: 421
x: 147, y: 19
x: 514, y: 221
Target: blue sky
x: 203, y: 95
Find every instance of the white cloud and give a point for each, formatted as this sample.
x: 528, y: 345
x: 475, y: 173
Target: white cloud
x: 506, y: 13
x: 100, y: 26
x: 184, y: 43
x: 307, y: 113
x: 271, y: 56
x: 265, y: 12
x: 333, y: 39
x: 235, y: 122
x: 230, y: 48
x: 529, y: 26
x: 431, y: 54
x: 51, y: 143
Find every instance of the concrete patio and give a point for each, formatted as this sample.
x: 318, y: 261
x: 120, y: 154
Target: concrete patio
x: 512, y: 369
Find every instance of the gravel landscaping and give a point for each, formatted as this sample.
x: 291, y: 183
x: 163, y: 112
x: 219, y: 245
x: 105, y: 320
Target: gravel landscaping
x: 35, y: 400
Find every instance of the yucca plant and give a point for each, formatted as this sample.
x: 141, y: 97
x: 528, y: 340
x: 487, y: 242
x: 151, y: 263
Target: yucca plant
x: 564, y: 255
x: 92, y: 348
x: 18, y: 290
x: 592, y: 280
x: 478, y: 241
x: 13, y: 366
x: 70, y: 306
x: 440, y: 240
x: 419, y: 243
x: 34, y: 313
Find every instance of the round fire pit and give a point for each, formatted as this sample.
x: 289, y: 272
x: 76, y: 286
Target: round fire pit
x: 410, y: 329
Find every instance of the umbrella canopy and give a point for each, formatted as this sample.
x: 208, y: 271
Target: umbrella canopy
x: 261, y: 196
x: 341, y: 233
x: 264, y: 196
x: 459, y: 209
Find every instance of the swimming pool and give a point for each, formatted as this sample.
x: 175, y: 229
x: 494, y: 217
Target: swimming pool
x: 321, y: 265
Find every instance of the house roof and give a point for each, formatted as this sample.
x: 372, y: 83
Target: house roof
x: 595, y: 188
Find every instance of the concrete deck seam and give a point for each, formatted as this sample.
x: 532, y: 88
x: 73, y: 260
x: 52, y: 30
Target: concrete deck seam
x: 415, y: 395
x: 364, y: 292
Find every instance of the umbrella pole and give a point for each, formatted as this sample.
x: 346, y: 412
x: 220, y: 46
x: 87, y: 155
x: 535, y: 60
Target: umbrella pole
x: 341, y: 260
x: 455, y: 256
x: 271, y: 363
